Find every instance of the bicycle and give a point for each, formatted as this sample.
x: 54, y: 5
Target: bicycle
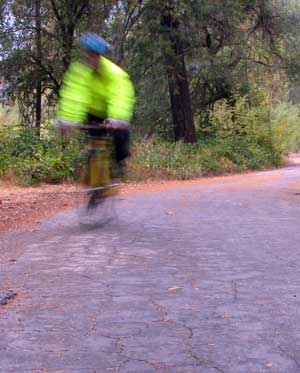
x: 99, y: 174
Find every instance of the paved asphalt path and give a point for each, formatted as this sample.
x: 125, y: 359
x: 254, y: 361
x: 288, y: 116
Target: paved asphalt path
x: 201, y: 278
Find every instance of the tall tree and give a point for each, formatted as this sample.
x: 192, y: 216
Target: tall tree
x: 39, y: 57
x: 204, y: 50
x: 181, y: 106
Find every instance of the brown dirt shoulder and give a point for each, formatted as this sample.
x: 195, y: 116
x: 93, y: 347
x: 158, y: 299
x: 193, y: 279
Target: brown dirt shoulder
x: 25, y: 207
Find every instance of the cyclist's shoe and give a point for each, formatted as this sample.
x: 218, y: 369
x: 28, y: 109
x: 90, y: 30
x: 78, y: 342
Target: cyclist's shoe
x: 95, y: 200
x: 118, y: 171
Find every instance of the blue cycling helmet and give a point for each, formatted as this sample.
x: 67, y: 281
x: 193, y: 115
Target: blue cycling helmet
x: 94, y: 43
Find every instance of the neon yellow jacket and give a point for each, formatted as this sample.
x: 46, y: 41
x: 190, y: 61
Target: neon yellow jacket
x: 105, y: 93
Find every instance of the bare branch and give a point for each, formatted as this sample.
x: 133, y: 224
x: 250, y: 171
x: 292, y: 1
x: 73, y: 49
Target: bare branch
x: 55, y: 11
x: 78, y: 14
x: 46, y: 70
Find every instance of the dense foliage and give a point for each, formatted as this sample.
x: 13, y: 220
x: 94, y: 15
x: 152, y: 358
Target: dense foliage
x: 240, y: 138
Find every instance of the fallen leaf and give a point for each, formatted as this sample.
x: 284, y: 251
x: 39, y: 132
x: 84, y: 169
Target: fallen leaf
x: 170, y: 212
x: 174, y: 288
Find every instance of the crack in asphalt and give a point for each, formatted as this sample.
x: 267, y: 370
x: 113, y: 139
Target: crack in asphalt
x: 156, y: 365
x: 164, y: 313
x: 291, y: 357
x: 4, y: 348
x: 235, y: 290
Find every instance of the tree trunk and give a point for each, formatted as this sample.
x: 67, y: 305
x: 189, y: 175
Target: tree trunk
x: 183, y: 118
x: 38, y: 40
x: 68, y: 41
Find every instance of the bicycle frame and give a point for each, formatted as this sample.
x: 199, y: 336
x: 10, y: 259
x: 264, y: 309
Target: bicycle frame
x: 97, y: 172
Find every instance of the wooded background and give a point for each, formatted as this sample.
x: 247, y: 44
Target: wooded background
x: 202, y: 69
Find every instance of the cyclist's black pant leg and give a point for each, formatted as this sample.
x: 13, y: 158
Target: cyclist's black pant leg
x: 121, y: 143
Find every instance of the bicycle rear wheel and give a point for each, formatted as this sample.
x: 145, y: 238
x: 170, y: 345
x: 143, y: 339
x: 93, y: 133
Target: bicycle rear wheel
x: 99, y: 213
x: 100, y: 208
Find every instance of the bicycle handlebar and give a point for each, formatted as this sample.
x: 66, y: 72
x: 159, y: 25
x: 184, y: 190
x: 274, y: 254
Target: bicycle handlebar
x: 107, y: 124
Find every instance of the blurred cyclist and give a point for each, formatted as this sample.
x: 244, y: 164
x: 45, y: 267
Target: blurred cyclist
x: 95, y: 91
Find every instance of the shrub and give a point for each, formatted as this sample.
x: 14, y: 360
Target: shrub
x: 32, y: 159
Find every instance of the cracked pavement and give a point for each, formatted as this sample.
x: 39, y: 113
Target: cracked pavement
x: 196, y: 279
